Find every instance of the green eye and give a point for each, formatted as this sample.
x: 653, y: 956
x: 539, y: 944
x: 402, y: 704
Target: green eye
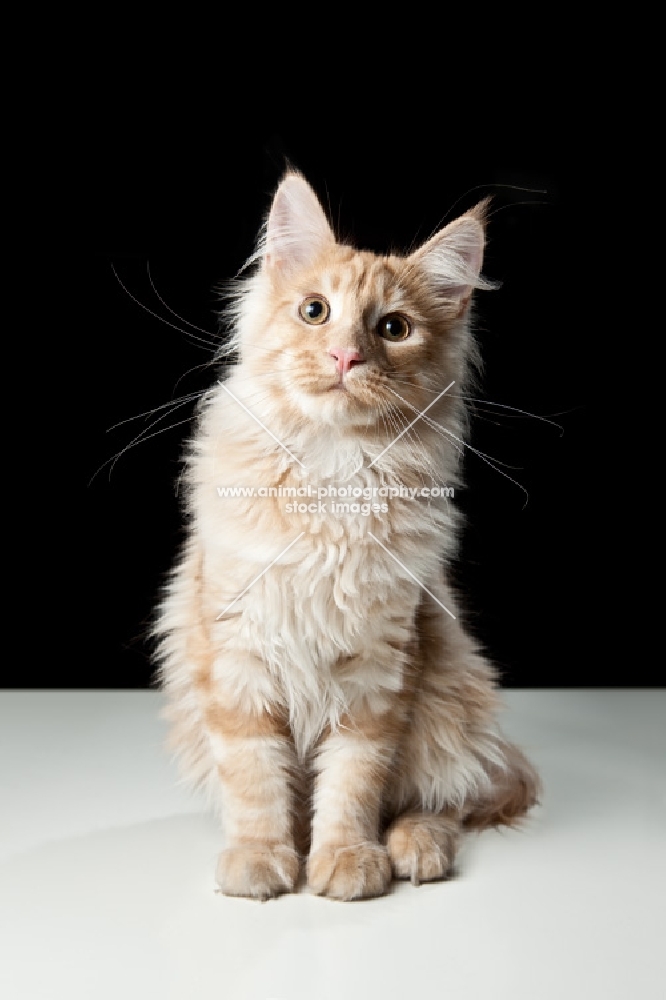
x: 315, y: 310
x: 393, y: 327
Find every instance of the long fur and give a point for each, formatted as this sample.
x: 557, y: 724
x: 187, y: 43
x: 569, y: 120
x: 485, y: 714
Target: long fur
x: 314, y: 678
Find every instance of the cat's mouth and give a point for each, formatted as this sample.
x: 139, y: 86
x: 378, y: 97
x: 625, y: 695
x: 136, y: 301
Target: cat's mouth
x: 342, y: 398
x: 362, y: 397
x: 365, y: 388
x: 353, y: 388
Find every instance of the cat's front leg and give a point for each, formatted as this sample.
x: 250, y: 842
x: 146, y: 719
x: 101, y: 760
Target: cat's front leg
x: 255, y: 759
x: 346, y: 859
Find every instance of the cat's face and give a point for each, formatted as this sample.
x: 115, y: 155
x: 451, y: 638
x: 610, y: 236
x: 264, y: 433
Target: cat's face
x: 349, y: 338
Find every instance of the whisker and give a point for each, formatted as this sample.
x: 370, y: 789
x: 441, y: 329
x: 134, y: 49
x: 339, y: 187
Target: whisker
x: 140, y: 438
x: 204, y: 364
x: 197, y: 341
x: 399, y: 422
x: 516, y: 410
x: 485, y: 458
x: 148, y: 413
x: 173, y: 312
x: 145, y: 438
x: 416, y: 385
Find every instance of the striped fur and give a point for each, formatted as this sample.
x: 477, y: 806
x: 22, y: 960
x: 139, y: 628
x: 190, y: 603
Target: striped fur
x: 335, y: 712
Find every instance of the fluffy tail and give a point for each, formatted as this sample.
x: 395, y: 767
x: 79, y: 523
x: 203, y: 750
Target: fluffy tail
x: 515, y: 789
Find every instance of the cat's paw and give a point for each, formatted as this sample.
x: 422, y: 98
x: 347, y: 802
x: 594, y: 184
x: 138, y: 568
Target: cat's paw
x: 355, y: 872
x: 257, y: 869
x: 422, y: 847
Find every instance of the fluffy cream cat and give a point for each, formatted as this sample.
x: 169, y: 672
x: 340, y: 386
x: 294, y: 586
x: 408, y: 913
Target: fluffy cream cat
x: 319, y: 681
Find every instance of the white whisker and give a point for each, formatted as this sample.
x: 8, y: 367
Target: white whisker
x: 181, y: 400
x: 187, y: 322
x: 464, y: 444
x: 197, y: 341
x: 140, y: 438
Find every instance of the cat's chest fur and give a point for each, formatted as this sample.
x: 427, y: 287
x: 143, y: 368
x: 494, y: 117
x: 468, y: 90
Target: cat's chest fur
x: 299, y: 636
x: 328, y: 593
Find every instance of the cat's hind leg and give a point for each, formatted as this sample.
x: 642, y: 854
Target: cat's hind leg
x: 456, y: 769
x: 514, y: 788
x: 422, y: 845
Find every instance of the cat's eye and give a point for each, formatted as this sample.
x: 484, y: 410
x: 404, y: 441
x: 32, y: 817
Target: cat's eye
x: 314, y: 309
x: 394, y: 327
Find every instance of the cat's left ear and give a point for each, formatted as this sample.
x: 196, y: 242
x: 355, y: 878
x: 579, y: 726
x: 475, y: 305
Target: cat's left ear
x: 297, y: 231
x: 452, y: 258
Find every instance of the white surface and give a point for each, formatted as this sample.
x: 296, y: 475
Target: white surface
x: 106, y: 872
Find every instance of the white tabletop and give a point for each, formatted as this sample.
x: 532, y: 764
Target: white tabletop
x: 107, y: 891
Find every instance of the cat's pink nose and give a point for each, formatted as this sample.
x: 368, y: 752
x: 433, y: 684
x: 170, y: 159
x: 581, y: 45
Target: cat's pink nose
x: 345, y: 358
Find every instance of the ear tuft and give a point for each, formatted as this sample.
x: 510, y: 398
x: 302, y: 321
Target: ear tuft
x: 297, y: 231
x: 452, y: 258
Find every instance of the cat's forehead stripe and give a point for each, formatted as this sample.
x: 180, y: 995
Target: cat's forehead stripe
x: 362, y: 276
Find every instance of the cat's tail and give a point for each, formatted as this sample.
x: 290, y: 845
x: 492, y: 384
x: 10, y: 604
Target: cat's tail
x: 515, y: 789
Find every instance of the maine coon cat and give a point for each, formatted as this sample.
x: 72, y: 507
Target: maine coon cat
x: 319, y: 681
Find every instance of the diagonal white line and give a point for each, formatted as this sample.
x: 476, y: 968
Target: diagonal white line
x: 422, y: 413
x: 258, y: 421
x: 258, y: 577
x: 415, y: 578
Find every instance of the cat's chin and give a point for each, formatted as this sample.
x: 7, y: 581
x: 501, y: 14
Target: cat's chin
x: 337, y: 406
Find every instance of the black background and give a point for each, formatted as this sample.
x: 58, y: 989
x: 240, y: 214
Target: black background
x: 187, y: 197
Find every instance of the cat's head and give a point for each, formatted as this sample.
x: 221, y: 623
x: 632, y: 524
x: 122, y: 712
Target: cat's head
x: 350, y: 338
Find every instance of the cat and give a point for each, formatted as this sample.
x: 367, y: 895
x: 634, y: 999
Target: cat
x: 320, y: 684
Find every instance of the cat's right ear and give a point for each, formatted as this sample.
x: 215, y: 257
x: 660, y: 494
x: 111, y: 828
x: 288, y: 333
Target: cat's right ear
x: 297, y: 231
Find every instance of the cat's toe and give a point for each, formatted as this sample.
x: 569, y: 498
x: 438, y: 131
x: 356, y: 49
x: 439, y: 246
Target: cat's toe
x: 356, y: 872
x: 259, y: 870
x: 422, y: 848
